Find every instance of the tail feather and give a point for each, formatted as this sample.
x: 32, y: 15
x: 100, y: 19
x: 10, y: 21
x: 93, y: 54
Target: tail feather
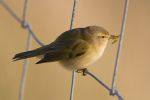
x: 24, y: 55
x: 32, y: 53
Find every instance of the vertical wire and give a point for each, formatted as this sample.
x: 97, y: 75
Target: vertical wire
x: 31, y: 34
x: 25, y: 9
x: 126, y: 6
x: 26, y: 62
x: 73, y: 72
x: 73, y: 14
x: 72, y: 85
x: 24, y: 70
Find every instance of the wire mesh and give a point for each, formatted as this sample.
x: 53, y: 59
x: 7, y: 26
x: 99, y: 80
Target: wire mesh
x: 73, y: 72
x: 26, y: 25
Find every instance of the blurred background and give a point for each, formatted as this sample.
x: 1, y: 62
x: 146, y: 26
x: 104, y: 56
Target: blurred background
x: 49, y: 18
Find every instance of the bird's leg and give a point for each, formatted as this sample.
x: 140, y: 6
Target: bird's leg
x: 83, y: 71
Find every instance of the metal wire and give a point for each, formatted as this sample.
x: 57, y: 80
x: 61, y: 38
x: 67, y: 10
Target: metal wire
x: 10, y: 11
x: 116, y: 93
x: 72, y: 85
x: 73, y: 13
x: 25, y: 11
x: 120, y: 45
x: 24, y: 70
x: 73, y: 72
x: 26, y: 61
x: 31, y: 34
x: 26, y: 24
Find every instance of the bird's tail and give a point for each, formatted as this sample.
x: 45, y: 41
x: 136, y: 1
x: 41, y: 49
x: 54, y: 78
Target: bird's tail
x: 24, y: 55
x: 33, y: 53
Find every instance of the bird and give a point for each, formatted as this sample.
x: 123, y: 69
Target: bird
x: 75, y: 49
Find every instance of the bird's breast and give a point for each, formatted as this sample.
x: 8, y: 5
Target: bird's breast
x: 93, y: 54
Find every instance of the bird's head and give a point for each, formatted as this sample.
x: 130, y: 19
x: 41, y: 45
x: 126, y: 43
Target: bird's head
x: 102, y: 35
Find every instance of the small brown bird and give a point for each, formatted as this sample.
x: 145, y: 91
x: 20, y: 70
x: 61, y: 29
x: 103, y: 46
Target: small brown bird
x: 75, y: 49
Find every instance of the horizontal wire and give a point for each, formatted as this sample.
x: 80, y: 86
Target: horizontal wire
x: 116, y: 93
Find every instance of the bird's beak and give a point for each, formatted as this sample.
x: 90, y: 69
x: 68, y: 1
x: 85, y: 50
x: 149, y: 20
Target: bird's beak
x: 114, y: 38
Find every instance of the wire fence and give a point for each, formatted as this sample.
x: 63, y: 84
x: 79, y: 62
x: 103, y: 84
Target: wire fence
x: 123, y: 26
x: 27, y: 26
x: 73, y: 72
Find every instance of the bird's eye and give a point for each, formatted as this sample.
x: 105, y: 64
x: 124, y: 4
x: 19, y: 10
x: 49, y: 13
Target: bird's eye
x: 103, y: 36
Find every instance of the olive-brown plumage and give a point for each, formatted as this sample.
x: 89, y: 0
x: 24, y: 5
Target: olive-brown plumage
x: 74, y: 49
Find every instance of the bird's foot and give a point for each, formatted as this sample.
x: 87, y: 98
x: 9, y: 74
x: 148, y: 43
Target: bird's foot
x: 83, y: 71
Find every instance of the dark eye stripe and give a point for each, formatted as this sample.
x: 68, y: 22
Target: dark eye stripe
x: 101, y: 37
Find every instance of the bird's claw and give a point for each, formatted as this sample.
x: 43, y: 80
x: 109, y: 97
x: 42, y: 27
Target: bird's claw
x: 83, y: 71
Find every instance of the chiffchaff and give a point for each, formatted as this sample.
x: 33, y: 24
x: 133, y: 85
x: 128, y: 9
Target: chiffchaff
x: 75, y: 49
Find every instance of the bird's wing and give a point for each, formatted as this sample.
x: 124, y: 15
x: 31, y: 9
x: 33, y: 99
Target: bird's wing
x: 79, y: 48
x: 65, y: 50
